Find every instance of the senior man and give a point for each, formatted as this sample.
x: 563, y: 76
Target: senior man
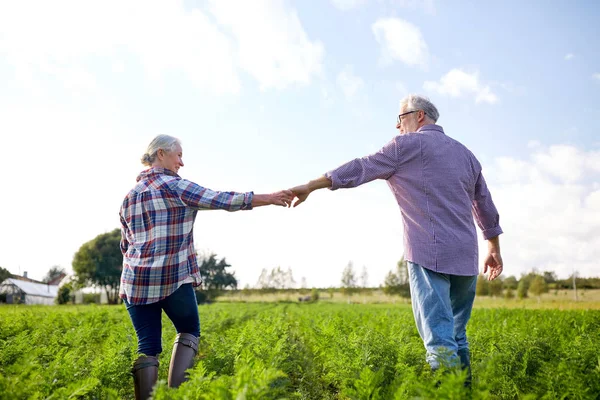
x: 439, y: 187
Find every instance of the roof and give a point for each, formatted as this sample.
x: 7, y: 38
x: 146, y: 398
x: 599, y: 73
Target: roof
x: 22, y: 278
x: 56, y: 281
x: 32, y: 288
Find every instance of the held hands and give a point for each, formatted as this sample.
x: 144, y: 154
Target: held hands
x: 301, y: 192
x: 282, y: 198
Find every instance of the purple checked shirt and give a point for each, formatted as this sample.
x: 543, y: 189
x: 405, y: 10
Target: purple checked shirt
x: 439, y: 187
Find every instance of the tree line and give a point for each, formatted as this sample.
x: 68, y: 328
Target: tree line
x: 98, y: 264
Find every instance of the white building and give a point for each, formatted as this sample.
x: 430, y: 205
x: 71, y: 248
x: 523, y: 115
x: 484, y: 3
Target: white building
x: 24, y: 292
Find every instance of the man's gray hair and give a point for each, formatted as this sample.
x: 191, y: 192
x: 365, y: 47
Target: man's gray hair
x: 161, y: 142
x: 416, y: 102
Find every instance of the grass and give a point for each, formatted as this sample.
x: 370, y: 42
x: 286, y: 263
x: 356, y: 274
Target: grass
x: 562, y: 299
x: 325, y: 350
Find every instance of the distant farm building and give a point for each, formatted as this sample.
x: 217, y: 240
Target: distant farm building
x: 20, y: 291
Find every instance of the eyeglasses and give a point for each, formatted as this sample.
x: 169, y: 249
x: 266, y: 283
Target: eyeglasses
x: 403, y: 114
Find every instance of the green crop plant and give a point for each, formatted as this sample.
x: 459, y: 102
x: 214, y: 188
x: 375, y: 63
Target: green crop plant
x: 308, y: 351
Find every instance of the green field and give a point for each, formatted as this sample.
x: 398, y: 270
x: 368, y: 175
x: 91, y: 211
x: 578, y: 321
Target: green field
x: 554, y: 299
x: 301, y: 351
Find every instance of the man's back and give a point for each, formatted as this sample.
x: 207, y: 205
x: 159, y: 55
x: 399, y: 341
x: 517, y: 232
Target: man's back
x: 438, y: 185
x: 435, y: 186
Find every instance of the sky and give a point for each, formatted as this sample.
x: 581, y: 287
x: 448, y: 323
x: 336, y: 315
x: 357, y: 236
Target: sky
x: 266, y: 95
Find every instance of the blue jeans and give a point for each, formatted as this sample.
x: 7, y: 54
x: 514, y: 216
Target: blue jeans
x: 442, y: 305
x: 180, y: 307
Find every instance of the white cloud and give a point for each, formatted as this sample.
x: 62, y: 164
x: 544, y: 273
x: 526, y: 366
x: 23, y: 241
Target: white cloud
x: 596, y: 77
x: 549, y: 209
x: 349, y: 83
x: 346, y: 5
x: 268, y: 41
x: 457, y: 83
x: 569, y: 56
x: 271, y: 43
x: 567, y: 163
x: 427, y: 5
x: 163, y: 35
x: 401, y: 40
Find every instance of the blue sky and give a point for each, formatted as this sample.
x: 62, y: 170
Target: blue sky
x: 267, y: 95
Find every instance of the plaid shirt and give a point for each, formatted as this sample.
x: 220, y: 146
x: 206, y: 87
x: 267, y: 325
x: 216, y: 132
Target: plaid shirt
x: 157, y: 241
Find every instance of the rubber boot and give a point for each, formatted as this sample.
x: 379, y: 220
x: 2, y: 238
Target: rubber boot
x: 465, y: 363
x: 182, y: 359
x: 145, y: 375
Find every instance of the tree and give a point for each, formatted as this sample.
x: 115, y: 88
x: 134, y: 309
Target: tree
x: 391, y: 283
x: 4, y: 274
x: 550, y: 276
x: 574, y: 276
x: 364, y: 278
x: 214, y: 276
x: 99, y: 263
x: 522, y: 288
x: 314, y: 294
x: 65, y: 294
x: 278, y: 278
x: 54, y: 272
x: 402, y: 271
x: 482, y: 288
x: 290, y: 282
x: 538, y: 286
x: 495, y: 287
x: 303, y: 285
x: 510, y: 282
x: 348, y: 280
x: 509, y: 294
x: 397, y: 282
x: 264, y: 282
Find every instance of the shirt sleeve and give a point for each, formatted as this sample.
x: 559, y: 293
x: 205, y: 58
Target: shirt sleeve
x: 380, y: 165
x: 124, y: 243
x: 484, y: 210
x: 201, y: 198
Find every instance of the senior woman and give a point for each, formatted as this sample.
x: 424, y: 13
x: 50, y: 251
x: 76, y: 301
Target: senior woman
x: 159, y: 260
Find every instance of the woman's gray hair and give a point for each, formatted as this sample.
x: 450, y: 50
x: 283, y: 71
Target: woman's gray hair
x: 416, y: 102
x: 161, y: 142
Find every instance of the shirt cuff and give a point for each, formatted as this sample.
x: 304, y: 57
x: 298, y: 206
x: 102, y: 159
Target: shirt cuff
x: 334, y: 179
x: 492, y: 232
x: 247, y: 204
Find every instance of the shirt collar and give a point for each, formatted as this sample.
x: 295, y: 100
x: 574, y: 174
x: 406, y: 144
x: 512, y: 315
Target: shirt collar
x: 431, y: 127
x: 145, y: 174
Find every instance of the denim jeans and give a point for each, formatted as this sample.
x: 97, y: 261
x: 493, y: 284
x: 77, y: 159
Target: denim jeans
x: 180, y: 307
x: 442, y: 305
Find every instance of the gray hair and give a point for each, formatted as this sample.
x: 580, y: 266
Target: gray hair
x: 416, y: 102
x: 161, y: 142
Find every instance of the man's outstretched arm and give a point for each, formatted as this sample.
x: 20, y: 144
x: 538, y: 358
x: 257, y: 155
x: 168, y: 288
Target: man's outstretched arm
x: 380, y: 165
x: 302, y: 191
